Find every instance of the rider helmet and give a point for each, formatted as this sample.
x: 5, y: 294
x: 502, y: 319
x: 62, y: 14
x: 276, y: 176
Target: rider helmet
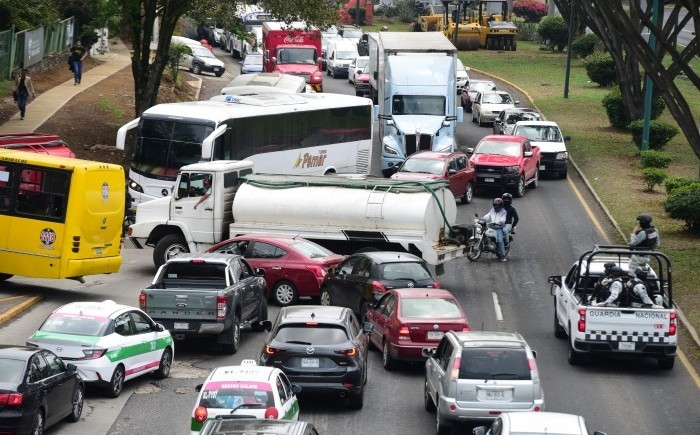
x: 617, y: 271
x: 641, y: 273
x: 497, y: 204
x: 507, y: 198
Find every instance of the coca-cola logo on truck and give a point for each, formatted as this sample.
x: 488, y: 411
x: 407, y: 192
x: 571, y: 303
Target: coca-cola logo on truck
x: 293, y: 39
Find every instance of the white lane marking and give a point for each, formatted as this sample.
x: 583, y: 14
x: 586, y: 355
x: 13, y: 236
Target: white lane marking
x: 497, y: 307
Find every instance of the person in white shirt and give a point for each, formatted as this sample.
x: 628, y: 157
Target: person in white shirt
x: 496, y: 219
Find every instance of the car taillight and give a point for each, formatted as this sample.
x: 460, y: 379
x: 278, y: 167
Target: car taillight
x: 272, y: 413
x: 200, y: 414
x: 142, y: 301
x: 436, y: 284
x: 582, y: 320
x: 533, y: 369
x: 220, y: 307
x: 94, y: 353
x: 455, y: 369
x: 404, y: 334
x: 317, y: 270
x: 466, y: 328
x: 349, y: 352
x: 272, y: 350
x: 672, y: 324
x: 378, y: 290
x: 11, y: 399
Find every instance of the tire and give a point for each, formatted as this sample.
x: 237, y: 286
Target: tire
x: 575, y: 357
x: 666, y: 363
x: 5, y: 276
x: 328, y: 71
x: 235, y: 338
x: 443, y: 428
x: 559, y: 330
x: 78, y: 402
x: 468, y: 194
x: 168, y: 247
x: 325, y: 298
x: 388, y: 361
x: 166, y: 362
x: 478, y: 119
x: 473, y: 250
x: 197, y: 69
x: 535, y: 181
x: 520, y: 190
x: 427, y: 399
x: 38, y: 423
x: 473, y: 115
x: 357, y: 401
x: 257, y: 326
x: 116, y: 384
x: 564, y: 174
x: 284, y: 293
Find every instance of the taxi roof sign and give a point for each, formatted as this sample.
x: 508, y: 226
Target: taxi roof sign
x: 249, y: 362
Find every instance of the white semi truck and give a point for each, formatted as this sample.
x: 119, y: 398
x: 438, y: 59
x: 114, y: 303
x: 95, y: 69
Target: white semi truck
x: 341, y: 213
x: 413, y: 83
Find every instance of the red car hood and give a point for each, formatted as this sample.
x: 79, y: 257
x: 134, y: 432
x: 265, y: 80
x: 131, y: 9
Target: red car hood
x: 493, y: 159
x: 415, y: 176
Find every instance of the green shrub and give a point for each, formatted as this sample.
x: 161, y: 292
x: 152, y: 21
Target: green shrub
x: 600, y: 68
x: 655, y: 159
x: 671, y: 184
x: 660, y: 133
x: 684, y: 204
x: 584, y: 46
x: 527, y: 31
x: 617, y: 113
x: 555, y: 30
x: 405, y: 10
x: 653, y: 177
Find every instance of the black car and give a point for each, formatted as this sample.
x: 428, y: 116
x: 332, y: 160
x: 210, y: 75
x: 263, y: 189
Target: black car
x: 321, y: 349
x: 361, y: 279
x: 503, y: 124
x: 223, y: 425
x: 37, y: 390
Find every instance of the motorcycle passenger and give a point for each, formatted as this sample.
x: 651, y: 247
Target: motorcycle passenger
x: 612, y: 288
x: 511, y: 217
x: 645, y: 237
x: 496, y: 219
x: 638, y: 294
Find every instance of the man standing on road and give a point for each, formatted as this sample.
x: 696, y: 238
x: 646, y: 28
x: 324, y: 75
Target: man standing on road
x: 77, y: 54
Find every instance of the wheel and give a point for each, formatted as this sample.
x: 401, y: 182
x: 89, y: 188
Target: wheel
x: 38, y: 423
x: 473, y: 249
x: 234, y: 339
x: 564, y: 174
x: 388, y: 361
x: 520, y: 190
x: 168, y: 247
x: 332, y: 72
x: 116, y: 384
x: 666, y: 363
x: 536, y: 181
x: 219, y: 74
x: 325, y: 298
x: 166, y: 362
x: 5, y: 276
x: 284, y: 293
x: 357, y: 401
x: 443, y: 427
x: 478, y: 119
x: 473, y: 116
x: 78, y: 402
x: 559, y: 330
x: 196, y: 68
x: 328, y: 71
x: 257, y: 326
x: 427, y: 400
x: 468, y: 194
x: 575, y: 357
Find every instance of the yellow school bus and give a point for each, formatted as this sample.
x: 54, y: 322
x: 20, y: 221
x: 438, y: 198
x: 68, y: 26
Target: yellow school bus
x: 59, y: 217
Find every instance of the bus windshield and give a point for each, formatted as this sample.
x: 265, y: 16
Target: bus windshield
x: 164, y: 146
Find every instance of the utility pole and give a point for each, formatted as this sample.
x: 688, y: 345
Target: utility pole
x: 649, y: 81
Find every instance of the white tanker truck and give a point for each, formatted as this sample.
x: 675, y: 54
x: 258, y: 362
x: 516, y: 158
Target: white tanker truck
x: 344, y: 214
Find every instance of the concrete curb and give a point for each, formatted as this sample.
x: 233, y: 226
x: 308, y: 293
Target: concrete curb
x: 12, y: 312
x: 684, y: 320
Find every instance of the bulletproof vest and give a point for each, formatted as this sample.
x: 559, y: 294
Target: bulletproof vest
x: 652, y: 239
x: 605, y: 291
x: 629, y: 288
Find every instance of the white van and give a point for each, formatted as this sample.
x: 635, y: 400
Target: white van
x: 338, y: 57
x: 247, y: 84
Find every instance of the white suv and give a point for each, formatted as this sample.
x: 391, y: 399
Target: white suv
x: 474, y: 376
x: 554, y: 157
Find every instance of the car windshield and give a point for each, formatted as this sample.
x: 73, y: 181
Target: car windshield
x: 352, y: 33
x: 75, y: 324
x: 423, y: 166
x: 361, y: 63
x: 497, y: 99
x: 512, y: 118
x: 404, y: 270
x: 311, y: 249
x: 429, y: 308
x: 538, y: 133
x: 319, y: 334
x: 202, y: 52
x: 237, y: 394
x: 349, y: 54
x: 11, y: 370
x: 511, y: 149
x: 418, y: 105
x: 494, y: 363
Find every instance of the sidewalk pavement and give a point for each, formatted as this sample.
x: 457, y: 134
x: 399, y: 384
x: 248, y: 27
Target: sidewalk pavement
x: 43, y: 107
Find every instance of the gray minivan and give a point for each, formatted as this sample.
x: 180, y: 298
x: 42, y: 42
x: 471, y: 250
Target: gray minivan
x: 474, y: 376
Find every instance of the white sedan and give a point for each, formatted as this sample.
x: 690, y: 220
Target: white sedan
x: 488, y: 105
x: 357, y: 66
x: 108, y: 342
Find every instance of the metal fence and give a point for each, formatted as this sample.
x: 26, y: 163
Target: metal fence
x: 28, y: 47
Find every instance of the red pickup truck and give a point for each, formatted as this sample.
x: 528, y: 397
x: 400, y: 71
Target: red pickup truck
x: 506, y: 162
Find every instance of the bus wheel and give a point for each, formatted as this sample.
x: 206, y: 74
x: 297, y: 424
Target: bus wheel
x: 168, y: 247
x: 5, y: 276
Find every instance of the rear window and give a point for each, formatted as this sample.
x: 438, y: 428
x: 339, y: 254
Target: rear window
x: 317, y: 335
x: 75, y: 324
x: 407, y: 270
x: 424, y: 308
x: 311, y: 249
x: 197, y: 271
x: 229, y: 395
x: 11, y: 370
x: 494, y: 363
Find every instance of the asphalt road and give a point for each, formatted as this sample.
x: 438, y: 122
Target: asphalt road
x: 559, y: 220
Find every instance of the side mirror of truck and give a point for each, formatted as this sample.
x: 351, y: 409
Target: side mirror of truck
x: 554, y: 279
x: 367, y: 327
x: 266, y: 325
x: 427, y: 352
x: 260, y: 272
x: 198, y: 388
x: 566, y: 139
x: 527, y: 154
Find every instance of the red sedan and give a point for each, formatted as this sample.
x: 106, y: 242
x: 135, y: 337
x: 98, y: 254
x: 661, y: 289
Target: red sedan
x: 408, y: 320
x: 294, y: 267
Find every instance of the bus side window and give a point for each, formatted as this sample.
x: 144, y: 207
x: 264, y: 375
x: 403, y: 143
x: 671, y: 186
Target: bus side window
x: 5, y: 188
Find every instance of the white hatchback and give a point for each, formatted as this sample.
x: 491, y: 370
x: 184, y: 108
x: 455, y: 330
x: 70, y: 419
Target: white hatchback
x: 245, y: 391
x: 108, y: 342
x: 536, y: 423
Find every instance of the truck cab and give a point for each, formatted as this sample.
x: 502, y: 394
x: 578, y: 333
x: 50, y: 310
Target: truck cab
x: 293, y: 49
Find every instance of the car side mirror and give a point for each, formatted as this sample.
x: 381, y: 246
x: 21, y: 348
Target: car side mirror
x: 367, y: 327
x: 427, y: 352
x: 534, y: 354
x: 566, y: 139
x: 296, y: 389
x: 554, y: 279
x: 266, y: 325
x: 72, y: 368
x: 259, y: 271
x: 481, y: 430
x: 527, y: 154
x: 159, y: 327
x: 451, y: 171
x: 198, y: 388
x: 470, y: 150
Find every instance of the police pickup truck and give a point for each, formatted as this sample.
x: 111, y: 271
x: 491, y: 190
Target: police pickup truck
x: 635, y: 331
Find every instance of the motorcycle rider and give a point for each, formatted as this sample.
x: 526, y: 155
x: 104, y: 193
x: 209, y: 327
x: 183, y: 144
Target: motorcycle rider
x: 511, y: 217
x: 496, y: 219
x: 644, y: 237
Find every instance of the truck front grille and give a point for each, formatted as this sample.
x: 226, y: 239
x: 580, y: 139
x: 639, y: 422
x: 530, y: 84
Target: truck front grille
x: 418, y: 142
x: 485, y: 170
x: 547, y: 157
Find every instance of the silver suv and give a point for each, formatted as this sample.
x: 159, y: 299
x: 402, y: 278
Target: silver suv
x: 478, y: 375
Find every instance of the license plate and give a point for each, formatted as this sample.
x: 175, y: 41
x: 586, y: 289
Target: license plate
x: 181, y: 325
x: 98, y: 251
x: 541, y: 167
x: 435, y: 335
x: 489, y: 180
x: 495, y: 395
x: 309, y: 363
x: 216, y: 69
x: 625, y: 345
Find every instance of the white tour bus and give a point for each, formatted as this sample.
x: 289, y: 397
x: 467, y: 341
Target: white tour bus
x: 313, y: 134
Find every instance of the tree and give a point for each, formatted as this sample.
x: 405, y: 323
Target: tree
x: 621, y: 30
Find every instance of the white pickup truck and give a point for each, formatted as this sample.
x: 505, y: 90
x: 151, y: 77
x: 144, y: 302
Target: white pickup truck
x: 638, y: 332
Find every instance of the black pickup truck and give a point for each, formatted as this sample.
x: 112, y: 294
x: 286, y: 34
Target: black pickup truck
x: 201, y: 294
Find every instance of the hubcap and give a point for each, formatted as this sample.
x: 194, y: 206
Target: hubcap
x: 165, y: 362
x: 325, y: 298
x: 284, y: 294
x: 78, y: 402
x: 118, y: 378
x: 174, y: 250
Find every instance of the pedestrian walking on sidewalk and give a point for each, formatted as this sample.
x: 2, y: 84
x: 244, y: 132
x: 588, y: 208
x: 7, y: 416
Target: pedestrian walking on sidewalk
x: 23, y: 87
x: 77, y: 54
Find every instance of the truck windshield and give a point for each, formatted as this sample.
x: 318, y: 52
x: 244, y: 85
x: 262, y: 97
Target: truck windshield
x: 296, y: 55
x: 418, y: 105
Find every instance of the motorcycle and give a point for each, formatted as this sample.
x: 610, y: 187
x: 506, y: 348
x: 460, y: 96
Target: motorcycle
x: 483, y: 239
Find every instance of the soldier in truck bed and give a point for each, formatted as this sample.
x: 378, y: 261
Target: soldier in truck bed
x: 644, y: 237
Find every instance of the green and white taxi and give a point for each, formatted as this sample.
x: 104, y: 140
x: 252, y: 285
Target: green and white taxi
x: 108, y: 342
x: 245, y: 391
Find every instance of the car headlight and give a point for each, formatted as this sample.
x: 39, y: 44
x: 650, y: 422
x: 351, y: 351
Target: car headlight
x: 389, y: 150
x: 135, y: 186
x: 511, y: 169
x: 562, y: 155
